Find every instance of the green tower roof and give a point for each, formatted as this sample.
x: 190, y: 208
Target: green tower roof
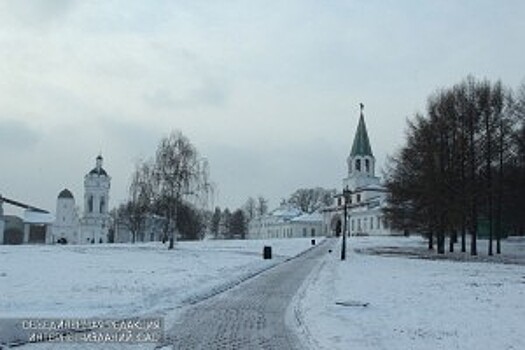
x: 361, y: 145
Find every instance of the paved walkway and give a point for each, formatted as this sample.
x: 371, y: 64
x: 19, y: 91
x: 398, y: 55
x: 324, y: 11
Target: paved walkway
x: 249, y: 316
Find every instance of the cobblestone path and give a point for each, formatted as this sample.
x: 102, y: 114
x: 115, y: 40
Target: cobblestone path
x: 249, y: 316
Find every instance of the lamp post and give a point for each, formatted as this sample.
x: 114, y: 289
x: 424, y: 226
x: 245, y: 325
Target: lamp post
x: 346, y: 196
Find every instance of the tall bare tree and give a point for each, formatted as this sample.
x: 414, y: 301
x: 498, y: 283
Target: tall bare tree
x: 262, y: 206
x: 136, y: 209
x: 443, y: 180
x: 250, y: 208
x: 178, y: 172
x: 311, y: 199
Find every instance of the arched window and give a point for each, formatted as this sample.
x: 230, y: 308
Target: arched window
x: 358, y: 164
x: 367, y: 165
x: 102, y: 205
x: 90, y: 204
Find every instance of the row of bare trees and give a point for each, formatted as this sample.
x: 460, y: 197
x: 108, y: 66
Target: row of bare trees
x: 174, y: 185
x: 463, y: 163
x: 310, y: 200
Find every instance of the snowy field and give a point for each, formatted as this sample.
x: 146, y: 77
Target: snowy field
x: 412, y: 303
x: 127, y: 280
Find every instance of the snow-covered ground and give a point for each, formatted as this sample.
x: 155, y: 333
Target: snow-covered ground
x: 126, y: 280
x: 412, y: 303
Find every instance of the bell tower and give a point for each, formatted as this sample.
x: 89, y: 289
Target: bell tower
x: 96, y: 199
x: 361, y: 161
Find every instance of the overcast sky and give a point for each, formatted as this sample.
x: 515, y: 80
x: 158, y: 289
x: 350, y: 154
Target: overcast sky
x: 268, y: 91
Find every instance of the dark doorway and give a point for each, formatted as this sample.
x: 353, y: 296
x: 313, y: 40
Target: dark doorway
x: 37, y: 234
x: 13, y: 236
x: 338, y: 228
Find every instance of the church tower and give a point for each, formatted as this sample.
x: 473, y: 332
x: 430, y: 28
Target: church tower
x: 66, y: 226
x: 361, y: 161
x: 95, y: 220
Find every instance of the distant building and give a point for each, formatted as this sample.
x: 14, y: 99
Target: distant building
x: 67, y: 222
x: 33, y: 227
x: 95, y: 221
x: 286, y: 222
x: 151, y: 232
x: 93, y: 226
x: 368, y: 196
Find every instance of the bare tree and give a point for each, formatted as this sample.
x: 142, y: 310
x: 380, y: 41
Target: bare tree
x: 178, y: 172
x: 262, y: 206
x: 311, y: 199
x: 216, y: 222
x: 443, y: 180
x: 138, y: 206
x: 250, y: 208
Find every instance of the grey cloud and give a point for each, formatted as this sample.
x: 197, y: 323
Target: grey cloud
x: 37, y: 12
x: 211, y: 93
x: 136, y: 139
x: 16, y: 135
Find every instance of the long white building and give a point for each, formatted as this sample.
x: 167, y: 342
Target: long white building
x: 286, y: 222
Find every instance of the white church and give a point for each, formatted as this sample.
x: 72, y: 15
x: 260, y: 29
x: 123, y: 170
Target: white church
x: 366, y: 197
x: 93, y: 225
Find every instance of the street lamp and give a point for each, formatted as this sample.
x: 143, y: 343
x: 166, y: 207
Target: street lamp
x: 346, y: 195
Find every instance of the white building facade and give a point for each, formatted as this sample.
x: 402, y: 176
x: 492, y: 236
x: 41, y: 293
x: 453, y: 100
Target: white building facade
x: 67, y: 223
x: 152, y: 230
x: 366, y: 195
x: 95, y: 221
x: 93, y: 225
x: 286, y: 222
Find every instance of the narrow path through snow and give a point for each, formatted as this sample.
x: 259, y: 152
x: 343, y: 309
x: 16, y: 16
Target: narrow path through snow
x: 249, y: 316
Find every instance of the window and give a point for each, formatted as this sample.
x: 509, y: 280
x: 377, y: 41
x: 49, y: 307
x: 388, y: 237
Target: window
x: 353, y: 225
x: 367, y: 165
x: 358, y: 165
x: 359, y: 224
x: 313, y: 232
x: 358, y: 198
x: 90, y: 204
x: 378, y: 223
x: 102, y: 204
x: 339, y: 201
x: 304, y: 231
x: 365, y: 222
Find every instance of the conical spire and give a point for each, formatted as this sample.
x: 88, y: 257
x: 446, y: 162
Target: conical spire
x: 361, y: 145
